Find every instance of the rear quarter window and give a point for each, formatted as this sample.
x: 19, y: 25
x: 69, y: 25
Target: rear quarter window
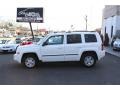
x: 90, y: 38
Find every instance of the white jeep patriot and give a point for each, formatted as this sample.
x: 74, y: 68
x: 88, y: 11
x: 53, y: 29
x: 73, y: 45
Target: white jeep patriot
x: 83, y: 46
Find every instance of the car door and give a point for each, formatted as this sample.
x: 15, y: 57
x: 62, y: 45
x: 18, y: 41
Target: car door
x: 53, y: 49
x: 72, y: 47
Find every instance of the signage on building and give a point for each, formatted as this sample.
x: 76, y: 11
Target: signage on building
x: 34, y: 15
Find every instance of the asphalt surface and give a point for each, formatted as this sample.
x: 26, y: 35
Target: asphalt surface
x: 106, y: 72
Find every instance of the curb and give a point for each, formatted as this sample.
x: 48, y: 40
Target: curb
x: 115, y: 53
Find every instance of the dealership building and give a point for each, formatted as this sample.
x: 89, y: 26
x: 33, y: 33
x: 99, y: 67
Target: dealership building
x: 111, y: 20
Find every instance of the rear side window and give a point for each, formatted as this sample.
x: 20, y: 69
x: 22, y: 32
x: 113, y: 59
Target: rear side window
x: 90, y: 38
x: 73, y: 38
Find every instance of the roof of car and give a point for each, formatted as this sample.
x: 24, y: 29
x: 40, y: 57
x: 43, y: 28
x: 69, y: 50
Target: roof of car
x: 72, y: 32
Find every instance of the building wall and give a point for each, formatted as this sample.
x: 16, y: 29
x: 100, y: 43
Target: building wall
x: 118, y: 23
x: 111, y: 17
x: 118, y: 9
x: 110, y: 10
x: 108, y: 24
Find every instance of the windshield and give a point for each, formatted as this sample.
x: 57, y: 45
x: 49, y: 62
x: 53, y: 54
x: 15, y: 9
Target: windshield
x: 117, y: 39
x: 37, y: 39
x: 10, y: 42
x: 41, y: 40
x: 3, y: 41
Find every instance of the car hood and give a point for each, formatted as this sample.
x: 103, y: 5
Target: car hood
x: 30, y: 48
x: 117, y: 42
x: 9, y: 45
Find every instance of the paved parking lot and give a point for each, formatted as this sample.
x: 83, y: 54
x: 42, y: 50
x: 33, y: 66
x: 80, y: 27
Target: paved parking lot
x: 105, y: 72
x: 110, y: 50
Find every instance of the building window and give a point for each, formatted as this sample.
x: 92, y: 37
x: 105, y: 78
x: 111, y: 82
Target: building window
x: 111, y: 31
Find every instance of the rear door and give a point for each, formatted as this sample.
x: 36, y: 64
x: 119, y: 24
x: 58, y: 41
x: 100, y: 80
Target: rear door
x: 72, y: 47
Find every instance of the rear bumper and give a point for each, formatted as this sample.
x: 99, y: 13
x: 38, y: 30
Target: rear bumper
x: 101, y: 54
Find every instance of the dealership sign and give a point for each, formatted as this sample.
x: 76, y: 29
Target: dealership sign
x: 34, y: 15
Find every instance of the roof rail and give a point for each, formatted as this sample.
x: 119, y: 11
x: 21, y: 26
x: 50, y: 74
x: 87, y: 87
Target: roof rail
x: 84, y: 31
x: 80, y: 31
x: 71, y: 31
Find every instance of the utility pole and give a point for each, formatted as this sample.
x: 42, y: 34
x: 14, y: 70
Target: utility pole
x: 31, y: 30
x: 86, y: 21
x: 72, y: 27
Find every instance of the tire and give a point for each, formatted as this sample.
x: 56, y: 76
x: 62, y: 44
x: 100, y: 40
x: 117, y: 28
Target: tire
x: 88, y: 60
x: 30, y: 61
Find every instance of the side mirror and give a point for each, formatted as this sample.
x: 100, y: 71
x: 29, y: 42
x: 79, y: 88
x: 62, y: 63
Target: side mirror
x: 44, y: 44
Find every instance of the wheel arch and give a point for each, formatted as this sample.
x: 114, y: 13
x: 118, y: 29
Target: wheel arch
x: 30, y: 53
x: 89, y: 52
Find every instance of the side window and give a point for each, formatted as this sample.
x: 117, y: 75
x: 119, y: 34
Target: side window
x: 90, y: 38
x: 74, y: 38
x: 53, y: 40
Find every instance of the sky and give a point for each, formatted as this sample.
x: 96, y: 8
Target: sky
x: 60, y: 14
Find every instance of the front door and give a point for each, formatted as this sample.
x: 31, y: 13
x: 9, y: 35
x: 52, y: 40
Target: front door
x: 53, y: 49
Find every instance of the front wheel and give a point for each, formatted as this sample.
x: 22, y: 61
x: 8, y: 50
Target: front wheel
x: 88, y: 60
x: 30, y: 61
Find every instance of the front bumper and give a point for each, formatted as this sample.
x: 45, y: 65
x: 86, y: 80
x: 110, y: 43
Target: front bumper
x: 8, y: 50
x: 17, y: 57
x: 116, y: 48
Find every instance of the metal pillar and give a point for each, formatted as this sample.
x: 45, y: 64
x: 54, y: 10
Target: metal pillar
x: 31, y: 30
x: 86, y: 21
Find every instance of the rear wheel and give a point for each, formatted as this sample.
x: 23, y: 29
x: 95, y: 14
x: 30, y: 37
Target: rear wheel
x: 30, y: 61
x: 88, y: 60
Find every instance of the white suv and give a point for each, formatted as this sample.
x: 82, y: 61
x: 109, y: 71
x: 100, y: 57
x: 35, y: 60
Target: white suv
x: 85, y: 47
